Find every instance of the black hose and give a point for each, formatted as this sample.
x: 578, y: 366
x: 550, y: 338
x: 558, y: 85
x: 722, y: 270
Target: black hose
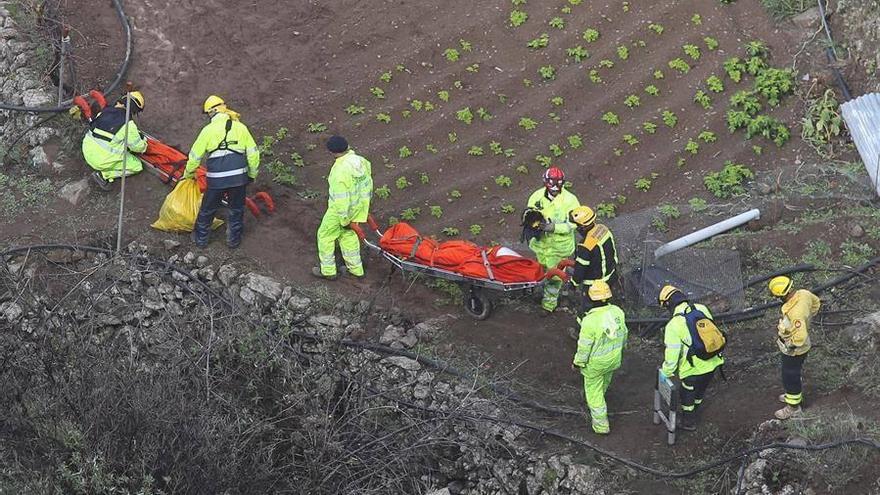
x: 830, y: 55
x: 120, y: 73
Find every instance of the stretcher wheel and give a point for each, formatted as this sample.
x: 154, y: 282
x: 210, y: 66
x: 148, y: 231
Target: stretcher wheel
x: 477, y: 305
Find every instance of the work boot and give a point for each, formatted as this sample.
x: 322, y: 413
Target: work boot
x: 688, y: 422
x: 100, y: 182
x: 788, y: 412
x: 317, y: 272
x: 195, y: 240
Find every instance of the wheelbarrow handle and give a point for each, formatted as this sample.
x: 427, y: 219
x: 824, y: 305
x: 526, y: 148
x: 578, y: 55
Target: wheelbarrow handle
x: 555, y: 272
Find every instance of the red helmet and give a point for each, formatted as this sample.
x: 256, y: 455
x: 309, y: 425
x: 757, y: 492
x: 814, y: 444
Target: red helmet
x: 554, y: 178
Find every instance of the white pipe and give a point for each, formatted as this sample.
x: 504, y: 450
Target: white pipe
x: 705, y: 233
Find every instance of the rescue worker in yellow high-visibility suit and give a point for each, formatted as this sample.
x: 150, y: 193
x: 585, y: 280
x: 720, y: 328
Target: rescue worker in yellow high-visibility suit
x: 102, y: 145
x: 599, y: 351
x: 557, y: 241
x: 596, y: 257
x: 793, y: 338
x: 350, y: 190
x: 695, y: 373
x: 232, y: 161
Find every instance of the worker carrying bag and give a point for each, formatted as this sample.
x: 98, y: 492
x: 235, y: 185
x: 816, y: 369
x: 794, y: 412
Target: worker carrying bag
x: 707, y: 340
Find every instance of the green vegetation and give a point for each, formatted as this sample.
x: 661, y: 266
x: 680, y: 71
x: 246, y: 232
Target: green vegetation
x: 527, y: 123
x: 436, y: 211
x: 443, y: 95
x: 679, y: 65
x: 632, y: 101
x: 708, y: 137
x: 410, y: 213
x: 382, y: 192
x: 547, y: 72
x: 451, y: 54
x: 692, y: 51
x: 669, y: 118
x: 578, y: 53
x: 657, y: 28
x: 539, y: 42
x: 557, y: 22
x: 643, y: 184
x: 378, y: 92
x: 450, y: 232
x: 783, y: 9
x: 404, y: 152
x: 714, y: 83
x: 315, y: 127
x: 518, y: 18
x: 611, y: 118
x: 703, y: 99
x: 465, y: 115
x: 384, y: 118
x: 424, y: 178
x: 649, y: 127
x: 630, y: 139
x: 606, y: 210
x: 354, y: 109
x: 692, y: 147
x: 698, y: 204
x: 476, y: 151
x: 728, y: 182
x: 475, y: 229
x: 822, y: 123
x: 622, y: 52
x: 734, y: 67
x: 575, y: 141
x: 402, y: 182
x: 711, y: 43
x: 652, y: 90
x: 774, y: 83
x: 590, y: 35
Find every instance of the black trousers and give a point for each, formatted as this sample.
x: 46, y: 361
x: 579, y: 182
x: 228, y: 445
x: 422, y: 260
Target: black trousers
x: 791, y: 378
x: 211, y: 202
x: 692, y: 390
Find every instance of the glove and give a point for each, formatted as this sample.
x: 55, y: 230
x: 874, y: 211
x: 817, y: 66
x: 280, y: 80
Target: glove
x: 548, y: 227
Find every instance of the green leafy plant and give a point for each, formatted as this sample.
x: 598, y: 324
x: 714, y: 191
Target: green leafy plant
x: 410, y: 213
x: 757, y: 48
x: 383, y: 117
x: 578, y: 53
x: 728, y: 181
x: 297, y: 159
x: 711, y: 43
x: 316, y: 127
x: 680, y: 162
x: 856, y: 253
x: 507, y: 208
x: 476, y: 151
x: 452, y: 136
x: 495, y: 148
x: 822, y: 123
x: 643, y: 184
x: 658, y: 74
x: 632, y: 101
x: 402, y: 182
x: 465, y: 115
x: 443, y: 95
x: 669, y: 118
x: 527, y: 123
x: 692, y: 147
x: 657, y: 28
x: 754, y: 65
x: 607, y: 64
x: 527, y: 83
x: 611, y: 118
x: 424, y: 178
x: 669, y: 211
x: 406, y: 114
x: 547, y: 72
x: 431, y: 148
x: 404, y: 152
x: 544, y: 160
x: 590, y: 35
x: 475, y: 229
x: 450, y: 232
x: 714, y: 83
x: 757, y: 150
x: 703, y: 99
x: 594, y: 76
x: 522, y: 169
x: 746, y: 101
x: 557, y: 22
x: 354, y: 109
x: 436, y: 211
x: 518, y: 18
x: 451, y: 54
x: 281, y: 173
x: 455, y: 194
x: 382, y: 192
x: 659, y: 223
x: 465, y: 45
x: 483, y: 114
x: 630, y: 139
x: 556, y: 150
x: 734, y: 67
x: 652, y: 90
x: 649, y: 127
x: 417, y: 105
x: 696, y: 19
x: 698, y: 204
x: 378, y: 92
x: 770, y: 128
x: 708, y: 137
x: 385, y: 77
x: 606, y: 210
x: 473, y: 68
x: 539, y: 42
x: 692, y: 51
x: 400, y: 68
x: 557, y: 101
x: 575, y: 141
x: 679, y: 65
x: 503, y: 181
x: 774, y: 83
x: 622, y: 52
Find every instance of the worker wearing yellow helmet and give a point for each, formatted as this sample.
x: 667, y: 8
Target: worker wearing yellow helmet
x: 793, y: 340
x: 102, y: 146
x: 694, y: 373
x: 599, y: 350
x: 595, y: 258
x: 232, y: 161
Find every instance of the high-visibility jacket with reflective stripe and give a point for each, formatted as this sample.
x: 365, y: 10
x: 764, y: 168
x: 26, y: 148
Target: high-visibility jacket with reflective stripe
x: 350, y: 188
x: 231, y: 157
x: 677, y: 339
x: 596, y: 257
x: 102, y: 145
x: 793, y: 331
x: 560, y: 242
x: 602, y: 338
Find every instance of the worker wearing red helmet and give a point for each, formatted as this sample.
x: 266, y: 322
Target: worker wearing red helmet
x: 556, y: 243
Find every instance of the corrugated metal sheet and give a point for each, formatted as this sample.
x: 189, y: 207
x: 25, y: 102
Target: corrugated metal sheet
x: 862, y: 116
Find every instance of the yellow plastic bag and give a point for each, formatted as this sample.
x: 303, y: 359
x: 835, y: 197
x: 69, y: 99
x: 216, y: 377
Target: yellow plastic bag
x: 181, y: 207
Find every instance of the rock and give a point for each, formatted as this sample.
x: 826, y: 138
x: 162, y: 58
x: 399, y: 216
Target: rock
x: 864, y: 329
x: 75, y: 192
x: 35, y: 97
x: 392, y: 334
x: 409, y: 340
x: 40, y: 159
x: 402, y: 362
x: 227, y: 274
x: 798, y: 441
x: 327, y: 321
x: 856, y: 231
x: 207, y: 274
x: 202, y: 261
x: 421, y: 391
x: 764, y: 188
x: 808, y: 19
x: 286, y: 292
x: 248, y: 296
x: 262, y: 285
x: 11, y: 311
x: 189, y: 258
x: 442, y: 491
x: 297, y: 303
x: 170, y: 244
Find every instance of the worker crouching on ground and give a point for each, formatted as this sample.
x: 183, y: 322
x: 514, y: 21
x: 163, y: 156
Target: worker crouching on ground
x: 595, y: 258
x: 599, y: 351
x: 690, y: 354
x: 350, y: 190
x: 798, y: 308
x: 232, y: 161
x: 102, y: 146
x: 556, y: 243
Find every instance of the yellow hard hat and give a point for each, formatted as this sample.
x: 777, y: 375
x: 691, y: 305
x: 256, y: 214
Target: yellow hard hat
x: 779, y: 286
x: 599, y: 291
x: 582, y: 215
x: 212, y: 103
x: 136, y: 98
x: 666, y: 293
